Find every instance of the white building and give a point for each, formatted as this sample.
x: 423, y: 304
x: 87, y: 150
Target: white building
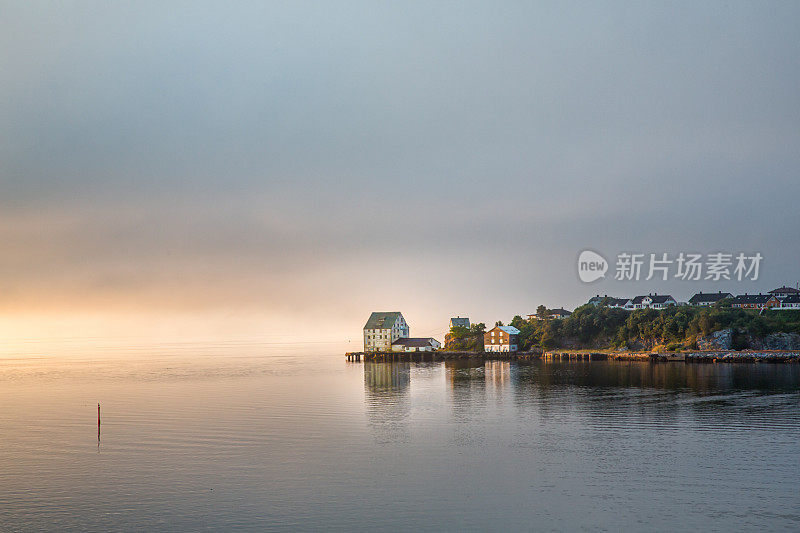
x: 382, y: 329
x: 558, y: 313
x: 707, y: 299
x: 416, y: 344
x: 651, y: 301
x: 783, y: 292
x: 791, y: 301
x: 619, y: 303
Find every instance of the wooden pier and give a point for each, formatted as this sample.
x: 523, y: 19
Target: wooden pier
x: 574, y: 356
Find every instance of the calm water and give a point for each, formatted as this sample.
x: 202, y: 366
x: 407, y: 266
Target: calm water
x: 293, y: 441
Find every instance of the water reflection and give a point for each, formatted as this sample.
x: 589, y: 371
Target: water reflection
x: 653, y: 393
x: 466, y: 387
x: 386, y: 388
x: 496, y: 378
x: 698, y: 378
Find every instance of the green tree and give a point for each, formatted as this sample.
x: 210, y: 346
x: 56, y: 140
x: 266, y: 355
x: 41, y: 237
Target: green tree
x: 459, y: 332
x: 478, y: 329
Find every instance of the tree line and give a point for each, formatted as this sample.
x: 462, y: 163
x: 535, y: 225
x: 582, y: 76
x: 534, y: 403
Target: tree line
x: 600, y: 327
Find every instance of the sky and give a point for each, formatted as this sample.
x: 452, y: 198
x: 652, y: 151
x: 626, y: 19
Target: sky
x: 278, y: 170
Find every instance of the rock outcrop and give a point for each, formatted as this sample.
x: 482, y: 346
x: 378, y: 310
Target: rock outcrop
x: 719, y: 340
x: 776, y: 341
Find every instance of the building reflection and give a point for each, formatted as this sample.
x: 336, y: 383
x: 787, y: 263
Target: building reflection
x: 498, y: 376
x: 386, y: 395
x: 386, y: 377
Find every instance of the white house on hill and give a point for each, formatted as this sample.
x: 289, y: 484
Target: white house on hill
x: 706, y: 299
x: 651, y: 301
x: 791, y: 301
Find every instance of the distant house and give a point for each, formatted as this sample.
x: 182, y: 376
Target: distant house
x: 449, y: 341
x: 610, y: 301
x: 706, y: 299
x: 651, y: 301
x: 597, y: 300
x: 755, y: 301
x: 783, y: 292
x: 618, y: 303
x: 558, y: 313
x: 382, y: 329
x: 501, y: 339
x: 789, y: 302
x: 416, y: 344
x: 459, y: 322
x: 551, y: 313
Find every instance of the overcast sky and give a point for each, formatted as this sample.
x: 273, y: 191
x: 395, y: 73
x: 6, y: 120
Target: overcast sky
x: 280, y: 165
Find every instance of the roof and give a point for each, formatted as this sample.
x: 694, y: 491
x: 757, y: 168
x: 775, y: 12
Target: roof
x: 382, y: 319
x: 618, y: 301
x: 656, y: 298
x: 661, y: 298
x: 458, y: 321
x: 416, y: 342
x: 784, y: 290
x: 559, y: 311
x: 701, y: 297
x: 791, y: 299
x: 752, y: 299
x: 511, y: 330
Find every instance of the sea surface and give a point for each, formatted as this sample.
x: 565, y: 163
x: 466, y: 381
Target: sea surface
x: 257, y: 439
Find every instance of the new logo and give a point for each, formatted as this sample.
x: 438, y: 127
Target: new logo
x: 591, y: 266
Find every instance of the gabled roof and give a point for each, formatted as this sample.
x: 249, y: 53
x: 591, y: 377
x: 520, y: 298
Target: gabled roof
x: 752, y: 299
x: 656, y: 298
x: 559, y: 311
x: 784, y: 290
x: 618, y: 301
x: 511, y: 330
x: 414, y: 342
x: 702, y: 297
x: 382, y: 319
x: 661, y: 298
x: 791, y: 299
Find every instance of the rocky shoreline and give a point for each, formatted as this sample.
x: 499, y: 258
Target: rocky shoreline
x: 696, y: 356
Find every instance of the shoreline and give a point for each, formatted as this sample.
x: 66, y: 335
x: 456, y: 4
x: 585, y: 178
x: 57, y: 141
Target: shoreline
x: 692, y: 357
